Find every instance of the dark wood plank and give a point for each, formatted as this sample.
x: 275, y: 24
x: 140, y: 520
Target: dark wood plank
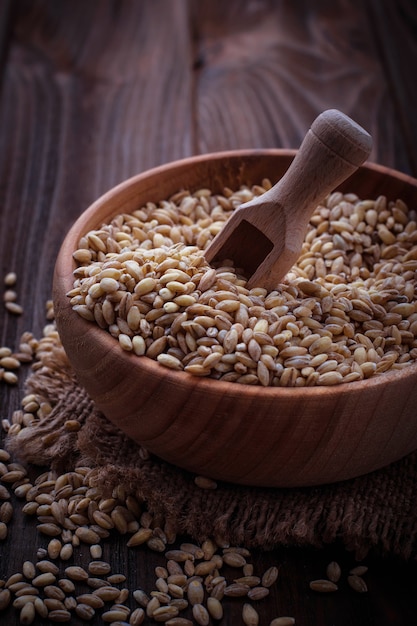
x: 395, y: 29
x: 117, y: 67
x: 267, y: 69
x: 5, y: 17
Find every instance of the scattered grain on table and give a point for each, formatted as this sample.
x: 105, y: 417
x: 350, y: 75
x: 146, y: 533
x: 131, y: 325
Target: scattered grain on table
x: 10, y: 295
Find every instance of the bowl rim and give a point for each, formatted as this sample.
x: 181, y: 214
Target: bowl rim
x: 225, y: 154
x: 180, y: 378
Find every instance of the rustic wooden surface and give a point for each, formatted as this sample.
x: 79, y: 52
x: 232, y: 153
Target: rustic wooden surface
x: 93, y: 92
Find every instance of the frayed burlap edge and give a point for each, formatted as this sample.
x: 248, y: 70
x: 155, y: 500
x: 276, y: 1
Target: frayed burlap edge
x: 374, y: 512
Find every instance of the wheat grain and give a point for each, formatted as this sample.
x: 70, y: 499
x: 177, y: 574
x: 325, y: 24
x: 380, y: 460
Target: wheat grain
x: 323, y: 586
x: 335, y: 292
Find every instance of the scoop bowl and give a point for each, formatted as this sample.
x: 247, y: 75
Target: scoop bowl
x: 252, y: 435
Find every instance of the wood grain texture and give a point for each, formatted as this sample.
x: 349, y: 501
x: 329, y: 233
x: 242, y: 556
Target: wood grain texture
x: 261, y: 57
x: 93, y: 92
x: 395, y: 32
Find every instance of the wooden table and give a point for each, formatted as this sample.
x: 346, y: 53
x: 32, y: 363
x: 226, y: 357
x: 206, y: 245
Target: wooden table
x: 94, y: 92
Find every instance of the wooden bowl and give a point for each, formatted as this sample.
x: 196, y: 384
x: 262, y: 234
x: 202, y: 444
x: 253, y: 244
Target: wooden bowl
x: 239, y: 433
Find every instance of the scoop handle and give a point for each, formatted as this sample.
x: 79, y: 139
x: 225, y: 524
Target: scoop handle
x: 333, y: 148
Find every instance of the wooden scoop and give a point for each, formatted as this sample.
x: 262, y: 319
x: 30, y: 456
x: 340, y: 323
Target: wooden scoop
x: 264, y: 237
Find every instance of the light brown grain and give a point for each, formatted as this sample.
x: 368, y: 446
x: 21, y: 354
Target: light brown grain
x: 330, y: 293
x: 250, y: 615
x: 323, y: 586
x: 357, y: 583
x: 333, y: 571
x: 270, y: 576
x: 201, y: 615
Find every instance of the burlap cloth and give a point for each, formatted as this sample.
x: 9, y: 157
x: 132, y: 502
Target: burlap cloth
x: 375, y: 512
